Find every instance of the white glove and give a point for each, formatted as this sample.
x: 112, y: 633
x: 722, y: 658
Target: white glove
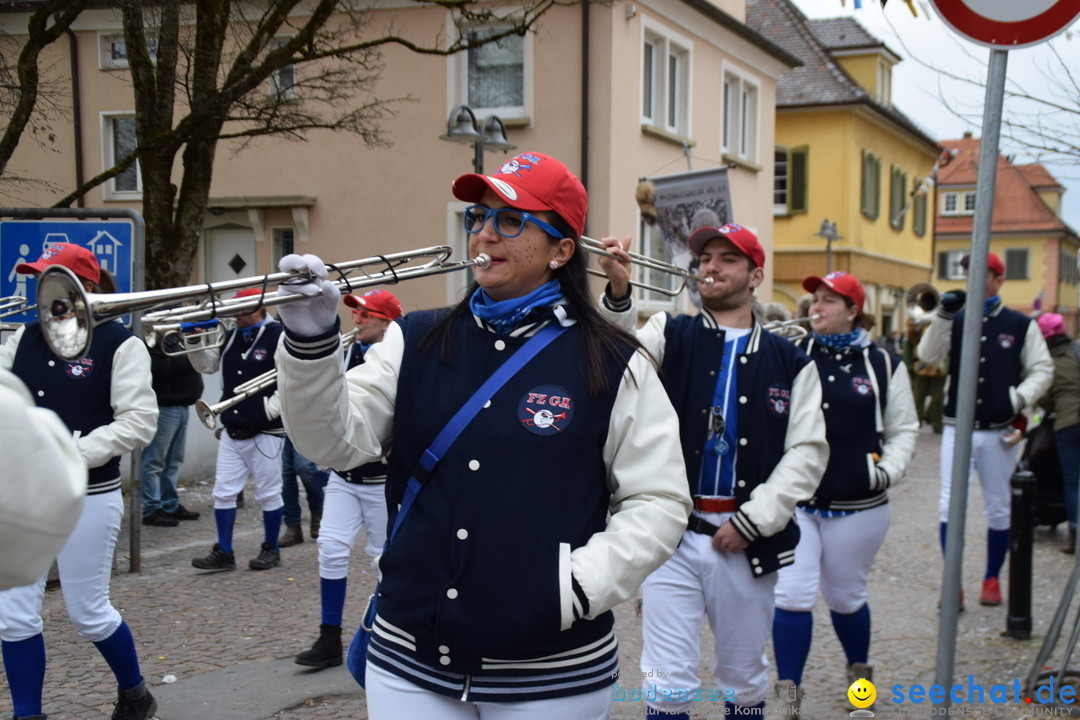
x: 317, y: 314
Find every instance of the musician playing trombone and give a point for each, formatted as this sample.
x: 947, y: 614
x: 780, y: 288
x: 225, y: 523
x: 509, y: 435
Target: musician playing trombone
x: 753, y: 443
x: 106, y: 400
x: 552, y: 504
x: 252, y: 440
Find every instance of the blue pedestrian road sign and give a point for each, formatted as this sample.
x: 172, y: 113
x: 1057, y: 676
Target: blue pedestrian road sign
x: 24, y: 240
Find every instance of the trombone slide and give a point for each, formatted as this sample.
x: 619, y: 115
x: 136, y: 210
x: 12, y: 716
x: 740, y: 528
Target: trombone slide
x: 596, y: 247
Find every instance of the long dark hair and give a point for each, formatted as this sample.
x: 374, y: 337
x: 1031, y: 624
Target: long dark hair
x: 604, y: 341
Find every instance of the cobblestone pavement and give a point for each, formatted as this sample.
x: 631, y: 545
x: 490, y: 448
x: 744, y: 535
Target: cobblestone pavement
x: 206, y: 639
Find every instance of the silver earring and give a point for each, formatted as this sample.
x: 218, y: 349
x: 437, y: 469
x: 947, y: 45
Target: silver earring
x: 554, y: 264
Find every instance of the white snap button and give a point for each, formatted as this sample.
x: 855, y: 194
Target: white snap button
x: 824, y: 406
x: 451, y: 593
x: 52, y: 363
x: 742, y: 441
x: 742, y: 400
x: 462, y: 534
x: 41, y: 393
x: 474, y: 464
x: 444, y: 649
x: 487, y: 404
x: 500, y: 345
x: 444, y: 660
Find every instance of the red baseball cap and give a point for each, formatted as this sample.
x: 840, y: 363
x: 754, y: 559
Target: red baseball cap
x: 248, y: 292
x: 743, y: 239
x: 75, y: 258
x: 381, y: 303
x: 531, y: 181
x: 993, y: 264
x: 841, y: 283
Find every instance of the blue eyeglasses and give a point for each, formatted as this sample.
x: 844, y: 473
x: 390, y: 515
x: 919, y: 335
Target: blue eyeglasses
x: 509, y: 222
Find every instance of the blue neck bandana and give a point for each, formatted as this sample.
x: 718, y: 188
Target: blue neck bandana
x: 989, y: 303
x: 837, y: 341
x: 249, y: 332
x: 504, y: 315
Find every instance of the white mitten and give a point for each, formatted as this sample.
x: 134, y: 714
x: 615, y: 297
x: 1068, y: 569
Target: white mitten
x: 317, y: 313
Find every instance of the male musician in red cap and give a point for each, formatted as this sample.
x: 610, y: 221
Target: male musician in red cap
x: 105, y: 399
x: 354, y: 498
x: 753, y: 439
x: 1015, y: 369
x: 253, y: 436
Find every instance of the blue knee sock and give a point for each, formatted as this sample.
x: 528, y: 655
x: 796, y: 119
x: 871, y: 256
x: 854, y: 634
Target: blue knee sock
x: 943, y: 529
x: 654, y: 713
x: 997, y: 546
x: 119, y: 651
x: 24, y: 662
x: 791, y: 636
x: 332, y: 594
x: 225, y: 520
x: 272, y: 526
x: 853, y: 630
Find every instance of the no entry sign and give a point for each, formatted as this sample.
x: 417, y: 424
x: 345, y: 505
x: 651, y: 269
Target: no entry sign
x: 1008, y: 24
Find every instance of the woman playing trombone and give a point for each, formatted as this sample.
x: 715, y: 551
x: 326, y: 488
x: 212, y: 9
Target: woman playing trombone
x: 871, y: 427
x: 496, y: 592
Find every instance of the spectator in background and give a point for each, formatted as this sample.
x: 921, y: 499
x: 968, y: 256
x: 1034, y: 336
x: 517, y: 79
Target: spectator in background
x: 177, y: 386
x: 292, y: 465
x: 1063, y: 400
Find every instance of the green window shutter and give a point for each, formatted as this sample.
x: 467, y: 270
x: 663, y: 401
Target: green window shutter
x: 798, y: 184
x: 918, y: 207
x: 864, y: 186
x: 876, y: 198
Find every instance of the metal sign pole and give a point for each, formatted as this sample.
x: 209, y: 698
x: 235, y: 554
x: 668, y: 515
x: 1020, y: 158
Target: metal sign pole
x: 969, y: 366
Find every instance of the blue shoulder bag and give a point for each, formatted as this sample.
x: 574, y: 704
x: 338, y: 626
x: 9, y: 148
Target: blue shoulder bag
x: 356, y: 658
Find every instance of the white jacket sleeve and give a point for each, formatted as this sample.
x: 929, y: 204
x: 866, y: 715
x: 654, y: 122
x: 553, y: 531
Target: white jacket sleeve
x: 134, y: 405
x: 1036, y: 366
x: 901, y: 428
x: 7, y: 350
x: 936, y: 340
x: 650, y: 501
x: 38, y: 510
x: 336, y: 419
x: 798, y: 473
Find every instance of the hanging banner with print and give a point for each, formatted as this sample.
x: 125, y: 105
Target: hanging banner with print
x: 679, y: 204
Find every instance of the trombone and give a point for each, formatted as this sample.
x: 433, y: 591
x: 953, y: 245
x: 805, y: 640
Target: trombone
x: 71, y: 314
x: 208, y: 413
x: 790, y: 329
x: 14, y: 305
x: 598, y: 248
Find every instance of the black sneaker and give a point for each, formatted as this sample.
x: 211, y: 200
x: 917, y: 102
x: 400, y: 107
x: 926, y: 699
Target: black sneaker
x: 218, y: 559
x: 182, y: 513
x: 135, y: 704
x: 160, y: 518
x: 267, y: 559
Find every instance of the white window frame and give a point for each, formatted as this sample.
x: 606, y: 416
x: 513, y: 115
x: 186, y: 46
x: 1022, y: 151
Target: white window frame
x: 458, y: 76
x: 106, y: 43
x: 652, y: 245
x: 278, y: 88
x: 958, y: 202
x: 669, y: 82
x: 953, y: 271
x: 108, y: 159
x: 740, y: 116
x: 781, y: 180
x: 884, y: 83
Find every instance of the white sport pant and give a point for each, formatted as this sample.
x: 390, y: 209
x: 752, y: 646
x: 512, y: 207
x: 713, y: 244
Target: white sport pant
x: 347, y: 508
x: 390, y: 697
x: 85, y: 566
x: 260, y: 456
x: 994, y: 461
x: 699, y: 582
x: 835, y: 555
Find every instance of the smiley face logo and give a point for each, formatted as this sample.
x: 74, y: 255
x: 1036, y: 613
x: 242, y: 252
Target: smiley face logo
x: 862, y: 693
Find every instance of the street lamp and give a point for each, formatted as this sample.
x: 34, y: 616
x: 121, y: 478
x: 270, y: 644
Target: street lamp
x: 463, y: 127
x: 828, y: 231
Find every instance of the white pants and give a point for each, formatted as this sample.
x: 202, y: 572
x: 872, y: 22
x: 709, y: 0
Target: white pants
x: 261, y: 457
x: 390, y: 697
x: 85, y: 566
x: 994, y: 461
x: 699, y: 582
x: 834, y: 554
x: 347, y: 508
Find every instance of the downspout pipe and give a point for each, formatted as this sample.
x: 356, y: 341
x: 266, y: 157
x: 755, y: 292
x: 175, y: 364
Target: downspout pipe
x: 76, y: 112
x: 585, y: 93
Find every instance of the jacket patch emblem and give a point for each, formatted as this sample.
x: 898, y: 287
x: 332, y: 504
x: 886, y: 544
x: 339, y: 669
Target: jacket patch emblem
x: 862, y: 385
x: 1006, y: 341
x: 80, y: 369
x: 779, y: 400
x: 546, y: 410
x: 259, y: 354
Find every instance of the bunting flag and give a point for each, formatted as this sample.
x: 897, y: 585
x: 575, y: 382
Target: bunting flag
x: 926, y: 184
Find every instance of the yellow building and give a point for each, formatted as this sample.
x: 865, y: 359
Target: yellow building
x: 847, y: 164
x: 1038, y: 249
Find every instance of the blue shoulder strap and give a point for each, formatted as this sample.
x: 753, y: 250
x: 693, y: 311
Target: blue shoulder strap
x: 430, y: 458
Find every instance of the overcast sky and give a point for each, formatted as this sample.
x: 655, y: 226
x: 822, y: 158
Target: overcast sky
x: 928, y: 45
